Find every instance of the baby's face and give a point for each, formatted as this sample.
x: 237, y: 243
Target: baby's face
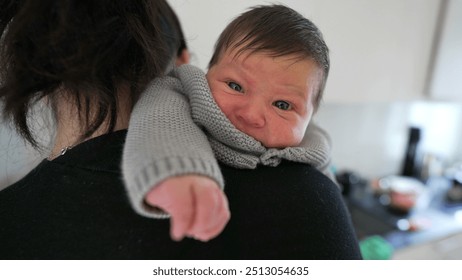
x: 268, y: 98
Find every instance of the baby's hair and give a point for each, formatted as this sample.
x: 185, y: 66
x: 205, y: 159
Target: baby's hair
x: 279, y: 31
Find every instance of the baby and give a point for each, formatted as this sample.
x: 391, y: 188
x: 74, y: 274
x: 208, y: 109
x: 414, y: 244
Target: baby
x: 254, y: 106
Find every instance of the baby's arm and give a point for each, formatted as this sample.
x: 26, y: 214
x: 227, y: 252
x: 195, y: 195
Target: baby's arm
x: 163, y: 145
x: 198, y: 208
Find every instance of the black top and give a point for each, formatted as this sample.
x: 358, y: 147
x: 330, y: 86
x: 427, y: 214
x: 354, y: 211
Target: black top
x: 75, y: 207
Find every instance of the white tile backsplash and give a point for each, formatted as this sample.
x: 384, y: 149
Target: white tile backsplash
x: 371, y: 138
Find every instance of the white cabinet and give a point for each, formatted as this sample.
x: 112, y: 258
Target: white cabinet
x: 446, y: 82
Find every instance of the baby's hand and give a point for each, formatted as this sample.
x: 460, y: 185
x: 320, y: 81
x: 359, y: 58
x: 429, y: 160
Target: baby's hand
x: 198, y: 208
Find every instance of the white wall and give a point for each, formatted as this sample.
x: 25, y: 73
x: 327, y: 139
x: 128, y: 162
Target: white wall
x: 447, y: 83
x: 16, y: 158
x: 380, y: 50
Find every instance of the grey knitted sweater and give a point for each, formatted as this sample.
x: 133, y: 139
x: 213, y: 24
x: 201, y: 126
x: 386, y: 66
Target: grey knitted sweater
x: 177, y: 128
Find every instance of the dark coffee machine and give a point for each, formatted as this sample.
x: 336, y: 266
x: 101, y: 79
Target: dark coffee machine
x: 411, y: 165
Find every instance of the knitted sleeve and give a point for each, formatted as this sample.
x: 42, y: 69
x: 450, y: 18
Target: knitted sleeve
x: 163, y: 141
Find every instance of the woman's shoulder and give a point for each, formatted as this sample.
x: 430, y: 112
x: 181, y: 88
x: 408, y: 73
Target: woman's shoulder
x: 288, y: 183
x: 295, y: 199
x: 286, y: 173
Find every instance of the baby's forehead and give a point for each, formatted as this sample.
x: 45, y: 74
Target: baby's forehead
x: 250, y: 60
x: 242, y: 54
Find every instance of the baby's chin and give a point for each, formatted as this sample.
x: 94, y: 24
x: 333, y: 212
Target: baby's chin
x: 281, y: 140
x: 279, y: 143
x: 272, y: 141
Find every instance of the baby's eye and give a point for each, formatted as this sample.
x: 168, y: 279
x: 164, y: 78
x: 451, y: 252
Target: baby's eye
x: 282, y: 105
x: 235, y: 86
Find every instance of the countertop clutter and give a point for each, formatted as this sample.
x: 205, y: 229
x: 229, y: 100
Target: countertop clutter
x: 396, y: 215
x: 400, y: 166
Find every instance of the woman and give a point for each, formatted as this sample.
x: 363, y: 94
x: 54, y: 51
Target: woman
x: 89, y: 61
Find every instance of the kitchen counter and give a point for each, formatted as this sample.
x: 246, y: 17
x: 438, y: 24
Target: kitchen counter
x: 432, y: 218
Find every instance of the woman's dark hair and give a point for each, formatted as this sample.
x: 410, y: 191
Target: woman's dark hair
x: 174, y: 32
x: 88, y: 48
x: 278, y: 31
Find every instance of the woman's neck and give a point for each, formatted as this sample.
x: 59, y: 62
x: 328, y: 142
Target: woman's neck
x: 70, y: 126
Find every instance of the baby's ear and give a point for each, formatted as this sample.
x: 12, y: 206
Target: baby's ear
x: 183, y: 58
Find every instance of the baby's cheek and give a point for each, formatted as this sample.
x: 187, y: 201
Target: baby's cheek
x: 281, y: 137
x: 294, y: 137
x: 300, y: 135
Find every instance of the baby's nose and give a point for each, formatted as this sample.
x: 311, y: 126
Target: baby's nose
x: 252, y: 115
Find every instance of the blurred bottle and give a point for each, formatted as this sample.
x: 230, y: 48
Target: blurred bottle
x: 411, y: 165
x: 454, y: 194
x: 432, y: 166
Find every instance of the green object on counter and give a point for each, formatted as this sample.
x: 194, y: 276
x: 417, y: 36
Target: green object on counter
x: 376, y: 248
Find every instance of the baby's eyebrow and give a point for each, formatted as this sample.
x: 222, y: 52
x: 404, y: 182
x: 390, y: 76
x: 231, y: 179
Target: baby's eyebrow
x: 241, y: 75
x: 295, y: 91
